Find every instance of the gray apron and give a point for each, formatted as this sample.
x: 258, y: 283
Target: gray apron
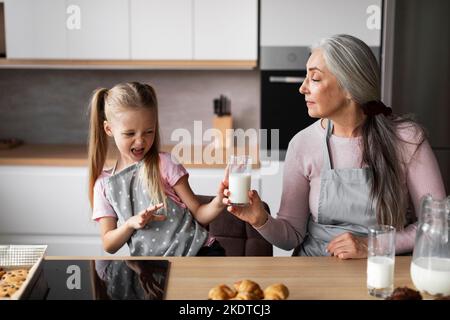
x: 179, y: 235
x: 344, y: 205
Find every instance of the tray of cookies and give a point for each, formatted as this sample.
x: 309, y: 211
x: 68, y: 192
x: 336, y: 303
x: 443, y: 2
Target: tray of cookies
x: 19, y: 268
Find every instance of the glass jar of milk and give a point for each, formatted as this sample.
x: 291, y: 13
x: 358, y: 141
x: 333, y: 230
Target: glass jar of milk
x: 239, y: 179
x: 430, y: 266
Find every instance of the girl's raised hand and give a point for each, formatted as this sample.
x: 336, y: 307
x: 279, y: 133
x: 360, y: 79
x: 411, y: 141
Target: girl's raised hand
x: 144, y: 217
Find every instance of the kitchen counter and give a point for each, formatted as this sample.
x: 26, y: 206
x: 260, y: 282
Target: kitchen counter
x: 308, y: 278
x: 76, y: 155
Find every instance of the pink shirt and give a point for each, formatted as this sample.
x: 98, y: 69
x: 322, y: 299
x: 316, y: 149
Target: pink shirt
x: 171, y: 172
x: 301, y: 182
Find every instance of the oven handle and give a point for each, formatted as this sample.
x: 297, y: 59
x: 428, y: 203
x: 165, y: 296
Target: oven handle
x: 286, y: 79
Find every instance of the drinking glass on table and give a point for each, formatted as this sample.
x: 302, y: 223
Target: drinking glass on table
x: 381, y: 261
x: 239, y: 179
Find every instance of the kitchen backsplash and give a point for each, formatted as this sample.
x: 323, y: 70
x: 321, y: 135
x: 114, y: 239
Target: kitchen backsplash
x: 51, y: 106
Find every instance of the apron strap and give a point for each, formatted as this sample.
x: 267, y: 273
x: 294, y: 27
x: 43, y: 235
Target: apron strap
x: 326, y: 149
x: 114, y: 169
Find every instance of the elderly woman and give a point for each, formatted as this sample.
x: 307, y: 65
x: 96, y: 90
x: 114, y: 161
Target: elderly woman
x: 356, y: 166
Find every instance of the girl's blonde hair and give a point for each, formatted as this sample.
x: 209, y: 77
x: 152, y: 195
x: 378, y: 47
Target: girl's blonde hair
x: 104, y: 105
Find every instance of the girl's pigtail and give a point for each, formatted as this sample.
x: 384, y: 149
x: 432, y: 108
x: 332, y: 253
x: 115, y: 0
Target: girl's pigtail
x: 98, y: 140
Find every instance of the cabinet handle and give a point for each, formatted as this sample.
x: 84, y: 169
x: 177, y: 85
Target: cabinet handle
x: 286, y: 79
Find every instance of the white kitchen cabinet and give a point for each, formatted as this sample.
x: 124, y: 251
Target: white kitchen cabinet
x: 47, y: 205
x: 304, y: 22
x: 161, y: 29
x: 225, y: 30
x: 104, y: 30
x: 194, y: 29
x: 132, y: 29
x: 67, y: 29
x: 35, y: 29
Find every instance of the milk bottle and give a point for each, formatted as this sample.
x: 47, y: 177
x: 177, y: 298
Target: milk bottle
x: 430, y: 266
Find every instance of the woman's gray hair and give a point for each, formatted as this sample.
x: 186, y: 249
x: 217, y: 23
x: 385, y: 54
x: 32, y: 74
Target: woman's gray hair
x: 353, y: 64
x: 355, y: 67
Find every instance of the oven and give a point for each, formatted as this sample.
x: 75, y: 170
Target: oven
x: 282, y: 105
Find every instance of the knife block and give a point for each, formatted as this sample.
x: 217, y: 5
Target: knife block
x: 224, y: 123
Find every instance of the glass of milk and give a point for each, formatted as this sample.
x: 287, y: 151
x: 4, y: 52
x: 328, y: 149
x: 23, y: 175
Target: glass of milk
x: 381, y: 261
x: 239, y: 179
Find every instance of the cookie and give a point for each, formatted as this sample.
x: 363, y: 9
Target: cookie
x: 7, y: 290
x: 14, y: 276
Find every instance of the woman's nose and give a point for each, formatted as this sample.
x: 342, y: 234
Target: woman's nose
x: 303, y: 88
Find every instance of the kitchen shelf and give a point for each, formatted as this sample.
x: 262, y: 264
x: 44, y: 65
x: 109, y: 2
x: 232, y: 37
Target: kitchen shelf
x: 76, y: 155
x: 129, y: 64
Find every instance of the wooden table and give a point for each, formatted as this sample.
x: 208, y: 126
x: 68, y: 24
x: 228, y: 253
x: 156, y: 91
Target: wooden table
x: 308, y: 278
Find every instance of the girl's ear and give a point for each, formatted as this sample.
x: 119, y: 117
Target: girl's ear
x: 107, y: 128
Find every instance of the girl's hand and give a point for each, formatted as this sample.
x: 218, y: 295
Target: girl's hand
x: 220, y: 193
x: 144, y: 217
x: 254, y: 213
x: 223, y: 185
x: 348, y: 246
x: 218, y: 200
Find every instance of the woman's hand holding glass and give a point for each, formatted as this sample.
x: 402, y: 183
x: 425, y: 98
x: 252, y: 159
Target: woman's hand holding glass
x: 254, y: 213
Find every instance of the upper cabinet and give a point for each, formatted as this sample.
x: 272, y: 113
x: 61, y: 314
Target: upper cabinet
x: 103, y: 30
x: 67, y: 29
x: 161, y: 29
x: 133, y: 30
x: 226, y: 30
x: 32, y: 31
x: 289, y: 28
x: 194, y: 29
x: 304, y: 22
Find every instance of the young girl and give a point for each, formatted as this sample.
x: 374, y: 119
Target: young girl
x: 146, y: 191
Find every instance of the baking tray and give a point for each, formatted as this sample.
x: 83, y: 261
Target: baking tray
x: 23, y: 256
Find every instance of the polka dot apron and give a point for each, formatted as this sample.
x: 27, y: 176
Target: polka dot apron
x: 179, y: 235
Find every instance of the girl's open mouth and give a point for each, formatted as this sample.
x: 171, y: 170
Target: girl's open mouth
x: 137, y: 152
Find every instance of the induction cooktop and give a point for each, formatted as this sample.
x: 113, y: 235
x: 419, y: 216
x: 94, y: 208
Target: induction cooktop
x: 105, y: 279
